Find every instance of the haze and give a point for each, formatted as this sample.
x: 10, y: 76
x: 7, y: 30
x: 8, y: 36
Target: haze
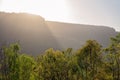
x: 95, y: 12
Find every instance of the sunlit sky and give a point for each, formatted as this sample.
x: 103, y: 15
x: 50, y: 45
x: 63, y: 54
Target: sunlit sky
x: 93, y: 12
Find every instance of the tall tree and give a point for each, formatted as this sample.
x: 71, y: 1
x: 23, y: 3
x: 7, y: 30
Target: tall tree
x: 10, y: 66
x: 89, y: 57
x: 113, y: 57
x: 27, y: 65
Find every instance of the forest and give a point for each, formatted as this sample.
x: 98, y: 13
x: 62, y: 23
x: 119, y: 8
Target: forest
x: 90, y: 62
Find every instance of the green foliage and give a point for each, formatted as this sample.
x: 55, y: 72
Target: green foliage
x: 113, y: 58
x: 89, y: 57
x: 90, y: 62
x: 27, y: 65
x: 10, y: 65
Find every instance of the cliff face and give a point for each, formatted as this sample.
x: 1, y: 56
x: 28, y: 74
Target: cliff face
x: 75, y: 35
x: 36, y: 35
x: 31, y: 31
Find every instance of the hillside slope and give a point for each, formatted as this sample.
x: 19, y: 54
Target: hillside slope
x: 75, y: 35
x: 30, y: 30
x: 36, y: 35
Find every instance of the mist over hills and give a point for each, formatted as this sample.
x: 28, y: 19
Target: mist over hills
x: 36, y: 35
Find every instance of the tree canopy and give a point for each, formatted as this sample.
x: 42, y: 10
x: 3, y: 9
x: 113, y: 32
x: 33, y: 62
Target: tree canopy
x: 90, y: 62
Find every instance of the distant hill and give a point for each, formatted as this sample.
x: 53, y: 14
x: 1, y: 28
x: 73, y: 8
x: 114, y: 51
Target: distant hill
x: 75, y: 35
x: 36, y: 35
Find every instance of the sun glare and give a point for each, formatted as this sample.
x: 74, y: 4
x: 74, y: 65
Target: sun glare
x: 49, y: 9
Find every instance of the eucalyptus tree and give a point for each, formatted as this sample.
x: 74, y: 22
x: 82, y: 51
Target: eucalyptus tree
x: 10, y: 66
x: 27, y: 65
x: 113, y: 57
x: 89, y: 58
x: 54, y: 65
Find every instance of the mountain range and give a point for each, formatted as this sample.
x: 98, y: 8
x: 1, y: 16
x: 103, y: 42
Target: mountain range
x: 35, y: 34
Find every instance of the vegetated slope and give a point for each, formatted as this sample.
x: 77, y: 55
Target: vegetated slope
x: 30, y: 30
x: 75, y: 35
x: 36, y: 35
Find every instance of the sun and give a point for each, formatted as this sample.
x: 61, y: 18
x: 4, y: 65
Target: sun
x: 49, y: 9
